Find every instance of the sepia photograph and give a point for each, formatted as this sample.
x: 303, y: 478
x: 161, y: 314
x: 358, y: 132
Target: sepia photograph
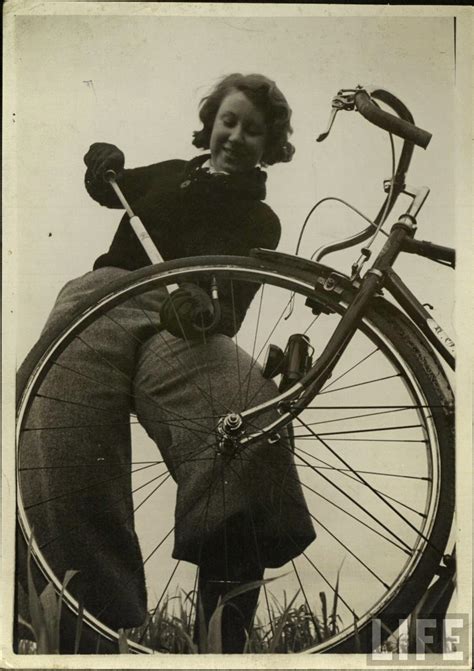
x: 235, y: 265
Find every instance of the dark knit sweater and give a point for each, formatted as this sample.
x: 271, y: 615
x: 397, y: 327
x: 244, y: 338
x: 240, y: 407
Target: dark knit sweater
x: 190, y: 212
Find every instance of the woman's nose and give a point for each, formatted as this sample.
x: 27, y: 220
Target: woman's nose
x: 237, y: 134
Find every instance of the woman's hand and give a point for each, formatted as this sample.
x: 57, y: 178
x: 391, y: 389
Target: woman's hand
x: 102, y: 157
x: 187, y: 312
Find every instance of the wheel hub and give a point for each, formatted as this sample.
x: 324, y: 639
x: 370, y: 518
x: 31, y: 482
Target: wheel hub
x: 229, y: 430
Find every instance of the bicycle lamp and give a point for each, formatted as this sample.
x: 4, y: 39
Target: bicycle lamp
x: 291, y: 364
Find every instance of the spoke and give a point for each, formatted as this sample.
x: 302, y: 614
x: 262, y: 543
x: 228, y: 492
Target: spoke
x: 318, y: 522
x: 254, y: 533
x: 119, y: 391
x: 311, y: 324
x: 148, y: 496
x: 310, y: 611
x: 112, y: 479
x: 155, y: 609
x: 277, y: 322
x: 365, y: 407
x: 263, y: 347
x: 125, y: 464
x: 209, y: 382
x: 292, y: 540
x: 264, y: 380
x: 346, y: 372
x: 354, y: 501
x: 111, y: 411
x: 360, y: 384
x: 346, y: 512
x: 239, y: 381
x: 355, y: 479
x: 371, y: 430
x: 136, y: 395
x: 344, y: 470
x: 368, y: 440
x: 83, y: 489
x: 206, y: 507
x: 174, y: 355
x: 354, y: 517
x: 362, y: 415
x: 254, y: 344
x: 389, y: 505
x: 100, y: 514
x: 159, y: 331
x: 75, y: 403
x: 129, y: 422
x: 159, y: 545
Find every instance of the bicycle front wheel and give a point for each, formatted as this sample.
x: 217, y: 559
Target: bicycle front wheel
x: 370, y: 462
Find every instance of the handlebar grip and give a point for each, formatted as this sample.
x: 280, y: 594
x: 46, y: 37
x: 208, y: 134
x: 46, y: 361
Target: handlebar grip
x: 430, y: 250
x: 389, y: 122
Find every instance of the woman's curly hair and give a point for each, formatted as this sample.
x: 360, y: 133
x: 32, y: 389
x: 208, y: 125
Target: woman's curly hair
x: 263, y: 93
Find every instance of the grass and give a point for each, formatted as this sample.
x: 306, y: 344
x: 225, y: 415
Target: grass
x: 170, y: 627
x: 291, y: 626
x: 294, y: 627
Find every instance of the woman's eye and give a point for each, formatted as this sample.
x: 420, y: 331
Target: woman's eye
x: 255, y: 131
x: 228, y: 121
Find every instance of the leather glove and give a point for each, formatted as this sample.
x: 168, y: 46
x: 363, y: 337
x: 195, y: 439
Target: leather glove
x: 102, y: 157
x: 185, y: 308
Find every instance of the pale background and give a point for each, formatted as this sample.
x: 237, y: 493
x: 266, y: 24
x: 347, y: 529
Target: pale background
x: 148, y: 75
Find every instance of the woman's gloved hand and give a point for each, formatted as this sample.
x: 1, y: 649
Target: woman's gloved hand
x: 102, y: 157
x: 187, y: 312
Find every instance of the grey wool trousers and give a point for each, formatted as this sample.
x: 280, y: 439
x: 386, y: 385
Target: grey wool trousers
x: 77, y: 454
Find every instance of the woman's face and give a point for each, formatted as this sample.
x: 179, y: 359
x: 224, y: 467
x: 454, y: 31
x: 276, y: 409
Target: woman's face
x: 238, y: 135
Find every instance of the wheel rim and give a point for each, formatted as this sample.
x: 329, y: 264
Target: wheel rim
x: 362, y: 422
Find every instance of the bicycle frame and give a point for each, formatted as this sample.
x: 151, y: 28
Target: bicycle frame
x: 380, y: 275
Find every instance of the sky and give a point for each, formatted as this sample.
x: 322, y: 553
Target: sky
x: 136, y: 81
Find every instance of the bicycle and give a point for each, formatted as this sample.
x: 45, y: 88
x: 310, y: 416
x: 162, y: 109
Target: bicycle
x: 362, y: 394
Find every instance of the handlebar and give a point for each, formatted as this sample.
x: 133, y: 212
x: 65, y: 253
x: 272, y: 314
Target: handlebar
x: 401, y: 126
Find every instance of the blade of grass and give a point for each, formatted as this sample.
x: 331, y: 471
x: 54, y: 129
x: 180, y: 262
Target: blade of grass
x: 67, y: 577
x: 202, y: 628
x: 324, y: 609
x: 276, y: 638
x: 335, y: 600
x: 357, y: 641
x: 38, y: 621
x: 122, y: 642
x: 26, y: 624
x: 192, y: 647
x: 78, y: 633
x: 214, y: 637
x: 49, y: 603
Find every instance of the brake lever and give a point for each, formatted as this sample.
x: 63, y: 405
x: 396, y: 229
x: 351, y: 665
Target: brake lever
x: 344, y: 100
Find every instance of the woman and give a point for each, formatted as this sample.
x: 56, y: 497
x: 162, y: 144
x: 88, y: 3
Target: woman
x: 212, y: 204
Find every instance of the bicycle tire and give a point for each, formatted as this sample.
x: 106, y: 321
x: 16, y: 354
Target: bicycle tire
x: 383, y: 322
